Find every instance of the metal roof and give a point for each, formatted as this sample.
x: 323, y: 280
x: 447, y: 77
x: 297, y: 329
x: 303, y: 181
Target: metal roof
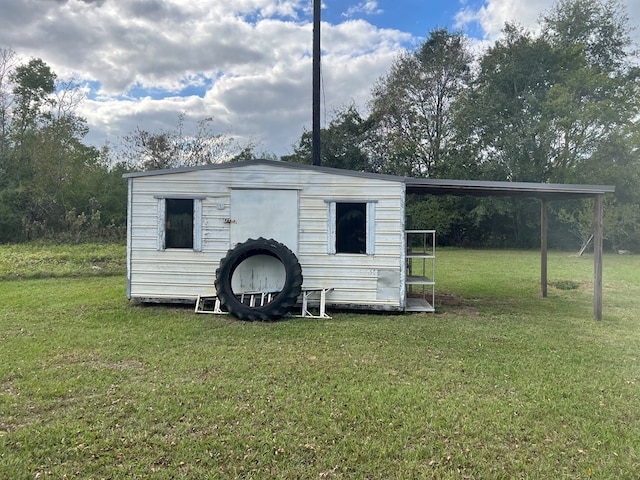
x: 274, y: 163
x: 545, y: 191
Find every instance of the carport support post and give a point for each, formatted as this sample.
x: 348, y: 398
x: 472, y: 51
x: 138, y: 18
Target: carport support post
x: 597, y: 256
x: 543, y: 248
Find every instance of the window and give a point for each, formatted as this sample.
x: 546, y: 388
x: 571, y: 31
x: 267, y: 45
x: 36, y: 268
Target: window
x: 179, y: 223
x: 351, y: 227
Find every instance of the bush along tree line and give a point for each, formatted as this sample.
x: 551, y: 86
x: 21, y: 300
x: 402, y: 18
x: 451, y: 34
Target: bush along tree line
x: 560, y: 106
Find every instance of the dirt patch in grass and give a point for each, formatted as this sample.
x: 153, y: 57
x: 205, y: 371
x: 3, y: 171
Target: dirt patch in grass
x: 455, y: 304
x: 94, y: 362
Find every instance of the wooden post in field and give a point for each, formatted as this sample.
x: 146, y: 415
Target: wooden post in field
x: 597, y: 255
x: 543, y: 248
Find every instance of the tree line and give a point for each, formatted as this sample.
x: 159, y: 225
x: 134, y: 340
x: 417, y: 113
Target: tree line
x: 52, y: 185
x: 55, y: 187
x: 559, y: 105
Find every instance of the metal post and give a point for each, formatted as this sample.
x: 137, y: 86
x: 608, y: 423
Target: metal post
x: 543, y: 248
x: 597, y: 256
x: 316, y: 82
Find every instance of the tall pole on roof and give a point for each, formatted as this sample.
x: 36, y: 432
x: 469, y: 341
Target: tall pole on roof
x: 316, y: 82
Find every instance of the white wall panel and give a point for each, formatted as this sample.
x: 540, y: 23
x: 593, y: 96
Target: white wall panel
x: 359, y: 280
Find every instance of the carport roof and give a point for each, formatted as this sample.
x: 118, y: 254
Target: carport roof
x: 545, y: 191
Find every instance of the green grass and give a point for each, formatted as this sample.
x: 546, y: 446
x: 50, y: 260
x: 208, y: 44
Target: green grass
x: 500, y: 383
x: 48, y: 261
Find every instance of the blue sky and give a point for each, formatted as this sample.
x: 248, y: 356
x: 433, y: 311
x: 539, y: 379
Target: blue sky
x: 243, y: 63
x: 414, y: 16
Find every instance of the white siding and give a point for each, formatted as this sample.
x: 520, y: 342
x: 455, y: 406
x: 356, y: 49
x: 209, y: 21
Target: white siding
x: 359, y: 280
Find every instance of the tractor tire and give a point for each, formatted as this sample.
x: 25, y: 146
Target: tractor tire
x: 281, y: 303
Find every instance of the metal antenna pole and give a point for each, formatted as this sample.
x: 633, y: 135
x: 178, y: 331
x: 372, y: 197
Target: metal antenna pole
x: 316, y: 82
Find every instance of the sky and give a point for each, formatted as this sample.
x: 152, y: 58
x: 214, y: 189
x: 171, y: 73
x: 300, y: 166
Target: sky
x: 246, y: 64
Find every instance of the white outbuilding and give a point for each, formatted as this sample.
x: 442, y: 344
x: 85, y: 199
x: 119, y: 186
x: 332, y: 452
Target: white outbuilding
x: 194, y: 232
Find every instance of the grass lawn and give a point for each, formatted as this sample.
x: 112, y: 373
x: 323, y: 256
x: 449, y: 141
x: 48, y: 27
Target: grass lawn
x: 499, y: 383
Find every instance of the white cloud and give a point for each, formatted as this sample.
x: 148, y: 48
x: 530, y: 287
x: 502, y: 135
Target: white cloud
x: 249, y: 59
x: 251, y: 56
x: 493, y: 14
x: 369, y: 7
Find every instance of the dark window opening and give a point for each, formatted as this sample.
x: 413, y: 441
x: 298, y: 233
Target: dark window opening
x: 179, y: 223
x: 351, y: 228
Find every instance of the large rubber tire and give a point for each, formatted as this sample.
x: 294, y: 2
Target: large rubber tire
x: 281, y: 303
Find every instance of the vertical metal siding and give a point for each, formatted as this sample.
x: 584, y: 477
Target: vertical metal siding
x: 129, y: 233
x: 365, y: 280
x: 403, y: 253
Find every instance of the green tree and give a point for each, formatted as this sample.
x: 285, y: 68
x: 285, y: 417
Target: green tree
x: 24, y: 94
x: 501, y: 133
x: 600, y: 28
x: 504, y: 114
x: 598, y: 97
x: 595, y: 111
x: 101, y: 198
x: 342, y: 143
x: 34, y: 83
x: 49, y: 177
x: 547, y: 108
x: 412, y: 106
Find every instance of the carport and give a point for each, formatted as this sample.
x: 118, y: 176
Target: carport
x: 545, y: 193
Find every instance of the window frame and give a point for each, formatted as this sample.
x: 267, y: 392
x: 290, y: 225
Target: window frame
x: 370, y: 206
x: 162, y: 221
